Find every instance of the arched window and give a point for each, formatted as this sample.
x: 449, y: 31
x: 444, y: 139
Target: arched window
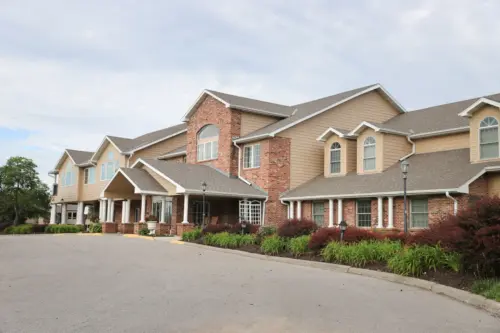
x: 335, y: 158
x: 369, y: 154
x: 208, y: 143
x: 488, y: 138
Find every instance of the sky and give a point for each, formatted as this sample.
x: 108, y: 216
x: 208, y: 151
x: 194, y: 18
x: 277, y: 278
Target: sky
x: 72, y: 72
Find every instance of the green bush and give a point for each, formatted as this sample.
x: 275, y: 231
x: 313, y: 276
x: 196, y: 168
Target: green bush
x: 419, y: 259
x: 489, y: 288
x: 19, y: 229
x: 95, y: 228
x: 267, y: 231
x: 273, y: 245
x: 62, y: 228
x: 362, y: 253
x: 298, y: 245
x: 227, y: 240
x: 246, y: 240
x: 144, y: 232
x: 190, y: 236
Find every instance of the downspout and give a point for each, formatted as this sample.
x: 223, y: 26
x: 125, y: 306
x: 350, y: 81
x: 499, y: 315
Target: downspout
x: 239, y: 162
x: 287, y: 208
x: 264, y: 210
x: 412, y: 150
x: 455, y: 202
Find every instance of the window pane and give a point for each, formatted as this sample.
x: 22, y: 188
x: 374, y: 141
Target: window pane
x: 247, y: 157
x: 92, y: 176
x: 489, y: 150
x: 369, y: 164
x: 215, y: 148
x: 488, y: 135
x: 86, y: 176
x: 103, y: 171
x: 319, y: 212
x: 419, y: 213
x: 208, y: 151
x: 110, y: 155
x: 335, y: 167
x: 208, y: 132
x: 364, y: 215
x: 256, y: 156
x: 200, y: 151
x: 335, y: 161
x: 110, y: 170
x: 369, y: 151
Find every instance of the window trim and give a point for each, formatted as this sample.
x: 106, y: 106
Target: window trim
x: 497, y: 126
x: 322, y: 215
x: 411, y: 212
x: 357, y: 213
x: 374, y: 144
x: 252, y: 156
x: 204, y: 141
x: 339, y: 149
x: 87, y: 179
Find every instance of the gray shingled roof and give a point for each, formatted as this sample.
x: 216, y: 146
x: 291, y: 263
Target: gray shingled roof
x: 450, y: 170
x: 79, y: 156
x: 191, y: 176
x: 304, y: 110
x: 249, y: 104
x: 123, y: 144
x: 176, y: 152
x: 142, y: 179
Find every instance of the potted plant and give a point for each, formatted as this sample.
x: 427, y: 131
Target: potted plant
x: 151, y: 220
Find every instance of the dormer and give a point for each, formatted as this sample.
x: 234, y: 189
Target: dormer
x: 340, y: 152
x: 378, y: 147
x: 484, y: 119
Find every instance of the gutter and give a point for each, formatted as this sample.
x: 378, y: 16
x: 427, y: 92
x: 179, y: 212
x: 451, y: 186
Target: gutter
x: 455, y: 202
x: 413, y: 149
x: 287, y: 208
x: 239, y: 162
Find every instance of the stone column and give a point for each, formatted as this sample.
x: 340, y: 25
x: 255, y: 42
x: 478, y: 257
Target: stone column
x: 340, y: 216
x: 380, y: 211
x: 292, y: 210
x: 64, y: 213
x: 390, y: 212
x: 330, y: 213
x: 143, y: 208
x: 79, y: 213
x: 186, y: 209
x: 163, y: 208
x: 53, y: 208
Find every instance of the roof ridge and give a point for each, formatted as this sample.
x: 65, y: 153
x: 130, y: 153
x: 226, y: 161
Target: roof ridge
x: 472, y: 99
x: 342, y: 92
x: 239, y: 96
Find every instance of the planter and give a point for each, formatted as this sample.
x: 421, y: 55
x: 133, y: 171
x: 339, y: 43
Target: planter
x: 152, y: 227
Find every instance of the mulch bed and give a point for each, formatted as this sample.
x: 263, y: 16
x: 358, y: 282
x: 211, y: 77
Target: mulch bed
x: 447, y: 278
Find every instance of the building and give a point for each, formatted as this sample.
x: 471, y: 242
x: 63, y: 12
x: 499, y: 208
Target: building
x: 332, y: 159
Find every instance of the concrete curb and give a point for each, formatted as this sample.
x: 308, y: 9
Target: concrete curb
x: 436, y: 288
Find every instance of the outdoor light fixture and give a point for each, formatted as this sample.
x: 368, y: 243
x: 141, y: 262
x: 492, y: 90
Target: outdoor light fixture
x: 404, y: 169
x: 204, y: 189
x: 343, y: 228
x: 243, y: 227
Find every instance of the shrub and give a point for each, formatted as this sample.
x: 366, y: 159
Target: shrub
x: 362, y: 253
x: 273, y: 245
x: 95, y: 228
x: 446, y: 233
x: 19, y: 229
x: 191, y: 236
x: 267, y: 231
x: 144, y: 232
x: 225, y: 240
x: 63, y: 228
x: 215, y: 228
x: 422, y: 258
x: 323, y: 236
x: 249, y: 229
x: 298, y: 245
x: 245, y: 240
x: 296, y: 227
x: 489, y: 288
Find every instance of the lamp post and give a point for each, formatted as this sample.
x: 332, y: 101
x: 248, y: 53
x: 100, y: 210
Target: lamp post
x: 343, y: 228
x: 404, y: 169
x: 203, y: 188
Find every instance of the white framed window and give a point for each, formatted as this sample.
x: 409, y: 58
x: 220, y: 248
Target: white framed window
x: 251, y: 211
x: 369, y: 154
x: 68, y: 177
x: 89, y: 176
x: 208, y: 143
x: 335, y: 158
x: 108, y: 169
x: 319, y: 212
x: 364, y: 213
x: 103, y: 171
x: 251, y: 156
x: 488, y: 138
x: 419, y: 213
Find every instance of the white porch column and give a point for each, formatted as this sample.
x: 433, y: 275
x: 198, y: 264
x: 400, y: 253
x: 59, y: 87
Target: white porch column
x: 330, y: 213
x: 390, y: 213
x: 163, y: 208
x: 111, y: 214
x: 340, y: 216
x: 380, y: 210
x: 64, y: 213
x: 128, y: 203
x: 53, y: 208
x: 299, y: 209
x: 143, y: 208
x: 124, y: 211
x: 104, y: 210
x: 79, y: 213
x: 292, y: 210
x: 186, y: 206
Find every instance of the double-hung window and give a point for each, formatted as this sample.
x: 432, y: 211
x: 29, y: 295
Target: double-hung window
x: 488, y: 138
x: 109, y: 168
x: 319, y: 212
x: 369, y: 154
x: 335, y: 158
x: 89, y: 176
x: 68, y: 177
x: 364, y: 213
x: 251, y: 156
x: 419, y: 213
x: 207, y: 143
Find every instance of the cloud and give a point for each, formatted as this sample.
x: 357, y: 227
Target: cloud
x: 72, y: 72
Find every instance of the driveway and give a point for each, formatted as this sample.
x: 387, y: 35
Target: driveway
x: 72, y: 283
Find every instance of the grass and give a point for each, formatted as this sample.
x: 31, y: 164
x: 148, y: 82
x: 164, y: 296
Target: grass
x: 417, y: 260
x: 489, y: 288
x: 273, y: 245
x: 362, y: 253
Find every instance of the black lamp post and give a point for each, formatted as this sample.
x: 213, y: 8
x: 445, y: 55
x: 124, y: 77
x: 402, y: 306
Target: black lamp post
x: 404, y: 169
x: 243, y: 227
x: 343, y: 228
x: 203, y: 188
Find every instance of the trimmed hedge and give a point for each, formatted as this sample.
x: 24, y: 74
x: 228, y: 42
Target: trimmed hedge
x: 21, y: 229
x: 227, y: 240
x: 63, y: 228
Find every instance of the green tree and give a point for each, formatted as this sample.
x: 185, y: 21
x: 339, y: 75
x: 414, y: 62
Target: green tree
x: 22, y: 193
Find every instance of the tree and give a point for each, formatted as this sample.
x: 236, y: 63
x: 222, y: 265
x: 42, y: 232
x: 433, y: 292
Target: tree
x: 22, y: 193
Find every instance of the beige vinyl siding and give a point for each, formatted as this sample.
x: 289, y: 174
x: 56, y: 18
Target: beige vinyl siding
x: 395, y: 147
x: 169, y: 187
x: 67, y: 193
x: 379, y: 150
x: 441, y: 143
x: 92, y: 192
x: 474, y: 122
x: 493, y: 180
x: 351, y: 155
x: 160, y: 148
x: 307, y: 154
x: 251, y: 122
